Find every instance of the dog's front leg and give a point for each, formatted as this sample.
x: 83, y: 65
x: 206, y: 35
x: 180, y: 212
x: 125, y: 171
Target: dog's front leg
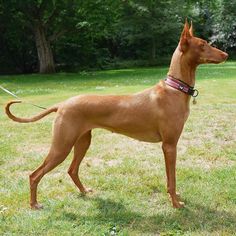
x: 170, y: 154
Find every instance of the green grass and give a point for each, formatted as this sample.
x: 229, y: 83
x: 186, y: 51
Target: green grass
x: 127, y: 176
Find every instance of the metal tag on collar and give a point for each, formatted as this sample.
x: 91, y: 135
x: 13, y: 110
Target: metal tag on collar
x: 195, y: 94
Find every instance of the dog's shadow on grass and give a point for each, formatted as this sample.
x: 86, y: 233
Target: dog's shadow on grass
x: 194, y: 218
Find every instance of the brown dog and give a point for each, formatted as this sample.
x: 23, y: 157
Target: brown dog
x: 157, y: 114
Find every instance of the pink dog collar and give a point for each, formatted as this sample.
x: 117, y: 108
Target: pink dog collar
x: 181, y: 86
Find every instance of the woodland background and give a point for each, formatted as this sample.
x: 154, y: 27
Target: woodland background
x: 50, y: 36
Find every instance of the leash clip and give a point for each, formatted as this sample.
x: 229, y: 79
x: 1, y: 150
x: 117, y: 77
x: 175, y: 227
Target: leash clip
x: 195, y: 93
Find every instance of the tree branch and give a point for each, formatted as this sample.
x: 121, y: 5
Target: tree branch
x: 42, y: 7
x: 56, y: 35
x: 51, y: 17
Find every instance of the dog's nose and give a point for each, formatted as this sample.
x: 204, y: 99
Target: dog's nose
x: 225, y: 55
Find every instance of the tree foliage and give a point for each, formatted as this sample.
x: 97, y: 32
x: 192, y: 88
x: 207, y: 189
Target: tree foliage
x: 39, y: 35
x: 224, y: 33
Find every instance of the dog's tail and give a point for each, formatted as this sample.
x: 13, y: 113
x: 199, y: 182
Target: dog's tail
x: 31, y: 119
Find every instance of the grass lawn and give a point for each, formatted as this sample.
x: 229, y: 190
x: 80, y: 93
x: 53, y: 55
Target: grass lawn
x: 127, y: 176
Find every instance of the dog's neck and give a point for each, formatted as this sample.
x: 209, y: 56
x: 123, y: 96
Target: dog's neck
x: 181, y: 68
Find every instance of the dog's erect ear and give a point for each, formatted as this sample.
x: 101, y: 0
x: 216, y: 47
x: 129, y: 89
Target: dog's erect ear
x: 191, y: 29
x: 185, y: 36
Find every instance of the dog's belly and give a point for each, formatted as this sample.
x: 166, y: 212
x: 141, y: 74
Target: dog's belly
x: 145, y: 136
x: 151, y: 138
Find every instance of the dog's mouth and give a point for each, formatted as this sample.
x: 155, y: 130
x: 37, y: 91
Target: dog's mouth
x: 218, y: 62
x: 214, y: 61
x: 221, y: 59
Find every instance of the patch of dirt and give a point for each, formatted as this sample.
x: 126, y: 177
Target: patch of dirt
x: 94, y: 161
x: 115, y: 162
x: 41, y: 149
x: 205, y: 163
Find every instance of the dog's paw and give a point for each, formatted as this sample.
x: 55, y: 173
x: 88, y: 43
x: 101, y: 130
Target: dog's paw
x: 176, y: 200
x: 86, y: 190
x: 178, y: 204
x: 36, y: 206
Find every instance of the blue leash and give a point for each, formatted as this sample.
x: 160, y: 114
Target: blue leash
x: 14, y: 95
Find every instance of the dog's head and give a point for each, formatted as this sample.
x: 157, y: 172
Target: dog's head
x: 197, y: 50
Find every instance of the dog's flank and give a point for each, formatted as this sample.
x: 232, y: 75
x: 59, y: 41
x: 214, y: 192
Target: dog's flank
x: 154, y: 115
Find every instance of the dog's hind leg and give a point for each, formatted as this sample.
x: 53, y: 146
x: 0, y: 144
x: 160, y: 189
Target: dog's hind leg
x: 80, y: 148
x: 64, y: 137
x: 52, y: 160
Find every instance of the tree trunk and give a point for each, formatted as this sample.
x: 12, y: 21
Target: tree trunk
x: 153, y: 50
x: 45, y: 56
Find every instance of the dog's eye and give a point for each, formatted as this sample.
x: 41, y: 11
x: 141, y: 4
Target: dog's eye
x: 202, y: 46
